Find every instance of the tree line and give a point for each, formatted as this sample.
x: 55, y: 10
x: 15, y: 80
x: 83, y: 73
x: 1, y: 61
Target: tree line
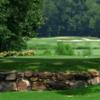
x: 71, y: 17
x: 30, y: 18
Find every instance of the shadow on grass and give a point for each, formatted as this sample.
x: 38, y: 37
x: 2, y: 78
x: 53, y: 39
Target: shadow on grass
x: 81, y: 91
x: 53, y: 65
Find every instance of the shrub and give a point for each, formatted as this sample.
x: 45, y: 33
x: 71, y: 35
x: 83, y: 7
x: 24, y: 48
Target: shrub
x: 16, y: 53
x: 64, y: 49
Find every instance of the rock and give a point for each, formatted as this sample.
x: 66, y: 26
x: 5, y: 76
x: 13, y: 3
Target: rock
x: 82, y: 76
x: 94, y: 81
x: 46, y: 81
x: 11, y: 77
x: 53, y: 78
x: 34, y: 79
x: 12, y: 86
x: 80, y: 84
x: 28, y: 74
x: 68, y: 76
x: 45, y: 75
x: 2, y: 76
x: 38, y: 86
x: 75, y: 84
x: 36, y: 74
x: 94, y: 73
x: 64, y: 76
x: 23, y: 85
x: 20, y: 75
x: 57, y: 85
x: 8, y: 86
x: 61, y: 77
x: 2, y: 86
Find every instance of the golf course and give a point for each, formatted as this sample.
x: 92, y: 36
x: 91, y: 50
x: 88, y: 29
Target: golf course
x: 49, y: 49
x: 55, y: 62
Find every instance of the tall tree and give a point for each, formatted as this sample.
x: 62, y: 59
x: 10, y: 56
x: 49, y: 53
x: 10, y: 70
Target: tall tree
x: 18, y: 18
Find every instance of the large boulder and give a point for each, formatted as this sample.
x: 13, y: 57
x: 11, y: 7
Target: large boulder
x: 11, y: 77
x: 34, y: 79
x: 75, y: 84
x: 56, y: 85
x: 23, y: 85
x: 45, y: 75
x: 61, y: 77
x: 28, y: 74
x: 38, y: 86
x: 94, y: 81
x: 2, y: 76
x: 20, y: 75
x: 94, y: 73
x: 8, y: 86
x: 81, y: 76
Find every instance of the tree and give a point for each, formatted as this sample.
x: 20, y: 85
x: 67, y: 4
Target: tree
x: 71, y: 17
x: 94, y: 13
x: 18, y: 18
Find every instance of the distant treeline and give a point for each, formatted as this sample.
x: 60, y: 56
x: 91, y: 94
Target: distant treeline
x: 71, y: 17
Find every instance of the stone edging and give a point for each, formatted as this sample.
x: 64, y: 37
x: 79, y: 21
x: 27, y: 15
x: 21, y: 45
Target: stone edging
x: 28, y: 80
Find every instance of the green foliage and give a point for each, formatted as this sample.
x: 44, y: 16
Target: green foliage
x: 71, y: 17
x: 64, y: 49
x: 10, y: 41
x: 18, y: 18
x: 27, y: 18
x: 87, y: 52
x: 47, y: 52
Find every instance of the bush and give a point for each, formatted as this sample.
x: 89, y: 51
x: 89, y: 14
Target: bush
x: 16, y: 53
x: 18, y: 19
x: 64, y: 49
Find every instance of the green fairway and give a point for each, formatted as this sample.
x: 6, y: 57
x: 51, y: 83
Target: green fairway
x: 79, y: 94
x: 78, y: 46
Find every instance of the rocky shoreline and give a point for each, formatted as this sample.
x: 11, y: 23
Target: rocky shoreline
x: 28, y: 80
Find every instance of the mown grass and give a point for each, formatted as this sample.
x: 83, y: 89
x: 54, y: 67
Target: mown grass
x: 52, y: 64
x: 79, y: 94
x: 50, y: 46
x: 47, y: 63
